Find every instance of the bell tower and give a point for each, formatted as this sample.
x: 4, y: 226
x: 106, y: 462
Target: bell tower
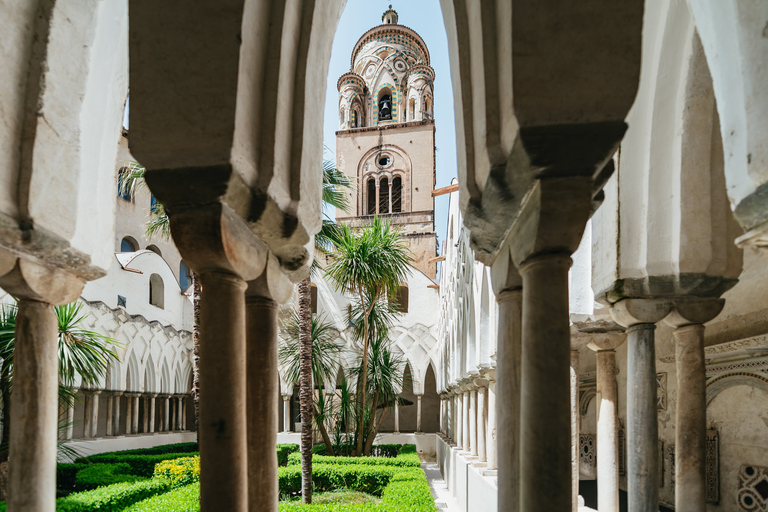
x: 386, y: 137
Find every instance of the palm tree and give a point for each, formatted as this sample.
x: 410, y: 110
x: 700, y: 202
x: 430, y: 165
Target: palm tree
x: 369, y: 263
x: 82, y: 353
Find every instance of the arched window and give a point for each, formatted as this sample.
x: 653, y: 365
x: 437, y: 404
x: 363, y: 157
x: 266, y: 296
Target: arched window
x: 385, y: 106
x: 156, y: 291
x: 427, y: 108
x: 128, y: 244
x: 185, y: 276
x: 384, y: 195
x: 354, y: 118
x: 371, y: 206
x: 412, y: 109
x: 313, y: 297
x: 397, y: 195
x: 400, y: 299
x: 154, y: 249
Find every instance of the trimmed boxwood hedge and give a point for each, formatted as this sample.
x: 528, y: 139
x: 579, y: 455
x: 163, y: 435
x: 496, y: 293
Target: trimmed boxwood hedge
x: 112, y: 498
x: 183, y: 499
x: 406, y: 458
x: 377, y: 450
x: 97, y: 475
x: 283, y: 451
x: 141, y: 465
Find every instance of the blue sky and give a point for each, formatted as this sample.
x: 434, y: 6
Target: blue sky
x: 426, y: 18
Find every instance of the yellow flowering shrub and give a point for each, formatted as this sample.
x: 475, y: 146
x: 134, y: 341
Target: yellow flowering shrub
x: 182, y: 471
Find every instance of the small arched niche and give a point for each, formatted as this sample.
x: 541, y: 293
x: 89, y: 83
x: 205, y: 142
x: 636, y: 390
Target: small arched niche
x: 129, y: 244
x: 385, y: 105
x: 156, y: 291
x: 155, y: 249
x: 400, y: 299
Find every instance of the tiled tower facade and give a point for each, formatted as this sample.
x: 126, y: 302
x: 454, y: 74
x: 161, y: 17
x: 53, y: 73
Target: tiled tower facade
x: 386, y: 137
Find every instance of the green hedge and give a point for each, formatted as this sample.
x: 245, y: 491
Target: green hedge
x: 97, y: 475
x: 141, y: 465
x: 65, y: 476
x: 183, y: 499
x: 112, y: 498
x: 326, y: 477
x: 377, y: 450
x: 283, y: 451
x: 408, y: 457
x: 157, y: 450
x: 179, y: 472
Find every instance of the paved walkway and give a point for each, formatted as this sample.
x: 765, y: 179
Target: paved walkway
x: 443, y: 498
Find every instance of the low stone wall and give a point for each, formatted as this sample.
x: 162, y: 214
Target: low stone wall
x: 473, y: 487
x: 132, y: 442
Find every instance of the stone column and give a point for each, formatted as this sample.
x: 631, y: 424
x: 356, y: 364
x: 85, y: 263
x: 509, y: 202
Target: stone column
x: 128, y: 413
x: 418, y: 413
x: 377, y: 196
x: 389, y: 182
x: 574, y: 429
x: 397, y: 415
x: 95, y: 413
x: 286, y: 413
x: 506, y: 395
x: 605, y: 345
x: 473, y: 414
x: 87, y: 416
x: 167, y: 413
x: 110, y: 412
x: 490, y: 440
x: 545, y: 415
x: 640, y: 317
x: 135, y: 422
x: 459, y: 418
x: 116, y: 421
x: 688, y: 319
x: 482, y: 418
x: 145, y: 402
x: 152, y: 411
x: 263, y: 390
x: 70, y: 421
x: 179, y: 416
x: 184, y: 402
x: 465, y: 419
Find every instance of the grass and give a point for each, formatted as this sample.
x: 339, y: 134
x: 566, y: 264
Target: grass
x: 343, y: 497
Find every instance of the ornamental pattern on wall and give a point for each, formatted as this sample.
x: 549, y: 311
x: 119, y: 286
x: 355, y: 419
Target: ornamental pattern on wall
x: 587, y: 450
x: 622, y: 449
x: 661, y: 391
x: 753, y: 489
x: 713, y: 466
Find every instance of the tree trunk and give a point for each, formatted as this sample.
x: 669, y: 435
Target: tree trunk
x: 5, y: 391
x: 324, y: 434
x: 306, y: 398
x: 196, y: 290
x: 362, y: 384
x: 369, y: 442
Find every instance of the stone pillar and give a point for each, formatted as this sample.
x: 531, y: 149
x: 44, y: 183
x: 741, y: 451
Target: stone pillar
x: 482, y: 418
x: 545, y: 413
x: 473, y: 414
x: 459, y: 418
x: 465, y: 419
x: 184, y: 402
x: 389, y: 182
x: 166, y: 413
x: 691, y: 411
x: 224, y: 467
x: 179, y: 416
x: 490, y: 441
x: 95, y: 413
x: 116, y: 421
x: 70, y: 421
x: 152, y: 411
x: 128, y: 413
x: 506, y: 395
x: 397, y: 415
x: 145, y: 402
x: 263, y: 390
x: 418, y: 413
x: 87, y: 416
x: 286, y: 413
x: 34, y: 414
x: 605, y: 345
x: 135, y: 422
x: 110, y: 412
x: 574, y: 430
x: 640, y: 317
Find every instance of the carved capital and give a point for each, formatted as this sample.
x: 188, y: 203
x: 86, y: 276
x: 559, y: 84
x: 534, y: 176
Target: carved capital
x: 271, y: 284
x: 629, y: 312
x: 606, y: 340
x: 25, y: 279
x: 694, y: 311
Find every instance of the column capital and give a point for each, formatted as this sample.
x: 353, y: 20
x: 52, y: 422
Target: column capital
x: 481, y: 382
x: 693, y: 311
x: 153, y: 395
x: 489, y: 374
x: 631, y: 312
x: 27, y: 280
x: 601, y: 341
x: 286, y: 398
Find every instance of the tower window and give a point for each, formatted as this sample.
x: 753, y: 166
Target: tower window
x: 156, y: 291
x: 412, y: 109
x: 385, y: 107
x: 128, y: 244
x: 185, y: 276
x: 384, y: 161
x: 371, y: 210
x: 354, y: 118
x: 397, y: 195
x: 384, y: 195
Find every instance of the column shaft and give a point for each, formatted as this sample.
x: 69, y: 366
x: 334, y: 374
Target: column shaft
x: 166, y: 413
x: 223, y: 445
x: 473, y: 422
x: 286, y: 413
x: 397, y: 417
x: 184, y: 401
x: 506, y: 397
x: 607, y: 432
x: 459, y: 419
x: 95, y: 414
x: 70, y: 421
x: 691, y: 420
x: 465, y: 421
x: 575, y: 430
x: 490, y: 441
x: 152, y: 414
x: 262, y: 395
x: 135, y: 422
x: 117, y: 414
x: 128, y: 413
x: 34, y: 413
x: 87, y: 416
x: 545, y: 412
x: 418, y: 413
x: 145, y: 421
x: 642, y: 422
x: 110, y: 413
x: 482, y: 414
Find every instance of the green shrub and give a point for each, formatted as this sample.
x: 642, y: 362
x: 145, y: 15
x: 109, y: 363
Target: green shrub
x: 179, y: 472
x: 183, y: 499
x: 406, y: 458
x: 283, y: 451
x: 326, y: 477
x: 141, y: 465
x: 377, y: 450
x: 157, y: 450
x: 112, y: 498
x: 97, y: 475
x: 65, y: 476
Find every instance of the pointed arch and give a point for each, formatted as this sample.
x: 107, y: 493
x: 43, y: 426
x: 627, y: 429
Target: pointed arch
x: 132, y: 379
x: 150, y: 376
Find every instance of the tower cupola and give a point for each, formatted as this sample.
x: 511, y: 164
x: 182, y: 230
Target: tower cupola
x: 389, y: 17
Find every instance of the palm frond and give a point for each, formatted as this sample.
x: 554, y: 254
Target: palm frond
x: 335, y: 186
x: 325, y: 350
x: 131, y: 179
x: 159, y: 223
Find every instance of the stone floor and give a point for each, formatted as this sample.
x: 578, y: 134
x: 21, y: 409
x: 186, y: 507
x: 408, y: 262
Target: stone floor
x: 443, y: 498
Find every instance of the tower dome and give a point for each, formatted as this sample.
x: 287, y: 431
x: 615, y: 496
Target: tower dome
x: 390, y: 16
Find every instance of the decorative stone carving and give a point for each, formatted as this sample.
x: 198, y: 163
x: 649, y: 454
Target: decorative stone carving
x: 661, y: 391
x: 712, y: 478
x: 588, y: 451
x: 622, y: 437
x: 753, y: 489
x: 662, y: 466
x: 671, y: 454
